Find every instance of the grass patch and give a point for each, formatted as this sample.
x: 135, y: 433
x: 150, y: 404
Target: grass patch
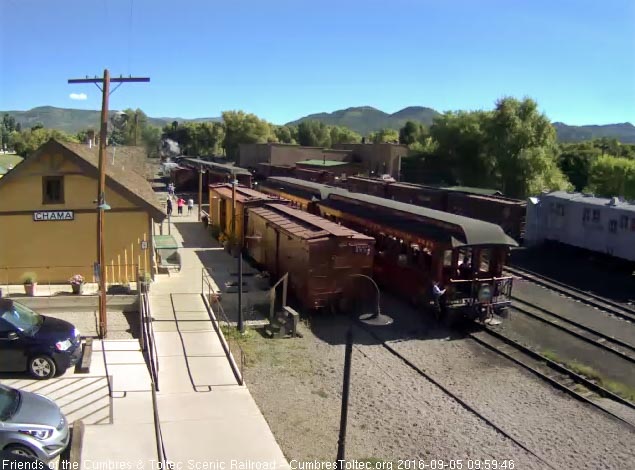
x: 8, y: 159
x: 287, y: 354
x: 618, y: 388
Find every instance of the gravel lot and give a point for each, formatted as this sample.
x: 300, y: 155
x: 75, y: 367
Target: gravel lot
x: 396, y: 414
x: 120, y: 325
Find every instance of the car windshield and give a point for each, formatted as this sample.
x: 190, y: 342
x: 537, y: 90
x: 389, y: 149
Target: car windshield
x: 9, y: 402
x: 23, y: 318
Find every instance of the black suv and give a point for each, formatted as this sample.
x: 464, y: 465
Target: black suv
x: 44, y: 346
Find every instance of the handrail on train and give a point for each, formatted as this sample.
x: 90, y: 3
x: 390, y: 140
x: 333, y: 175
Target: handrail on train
x: 481, y: 280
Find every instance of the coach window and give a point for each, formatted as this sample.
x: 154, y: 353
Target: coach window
x: 624, y: 222
x: 586, y: 215
x: 596, y: 215
x: 484, y: 260
x: 447, y: 258
x: 613, y: 226
x: 52, y: 190
x: 633, y: 225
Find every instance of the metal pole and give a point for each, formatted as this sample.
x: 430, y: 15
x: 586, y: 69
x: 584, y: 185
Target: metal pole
x: 200, y: 191
x: 378, y: 311
x: 101, y: 199
x: 341, y: 442
x: 233, y: 208
x: 241, y: 326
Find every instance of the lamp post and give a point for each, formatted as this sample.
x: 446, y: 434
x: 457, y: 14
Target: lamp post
x: 371, y: 319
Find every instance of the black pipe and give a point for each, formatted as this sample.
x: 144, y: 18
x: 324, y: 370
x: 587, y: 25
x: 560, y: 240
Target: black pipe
x: 341, y: 443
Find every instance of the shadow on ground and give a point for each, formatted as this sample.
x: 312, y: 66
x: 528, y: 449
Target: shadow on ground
x: 601, y: 275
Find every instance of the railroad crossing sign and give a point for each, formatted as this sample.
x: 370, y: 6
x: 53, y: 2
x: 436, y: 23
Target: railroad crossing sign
x: 144, y: 245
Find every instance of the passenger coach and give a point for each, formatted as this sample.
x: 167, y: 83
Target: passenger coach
x: 416, y: 246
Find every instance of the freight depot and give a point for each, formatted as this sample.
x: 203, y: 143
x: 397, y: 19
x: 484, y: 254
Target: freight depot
x: 340, y: 465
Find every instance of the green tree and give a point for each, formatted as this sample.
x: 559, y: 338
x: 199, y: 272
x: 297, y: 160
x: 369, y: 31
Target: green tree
x: 461, y: 141
x: 285, y: 134
x: 575, y: 162
x: 314, y: 134
x: 26, y: 142
x: 383, y: 136
x: 243, y: 128
x: 412, y: 132
x: 514, y: 128
x: 612, y: 176
x: 344, y: 135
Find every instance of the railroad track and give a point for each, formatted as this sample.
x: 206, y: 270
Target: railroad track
x: 599, y: 339
x: 552, y: 372
x: 620, y: 310
x: 455, y: 397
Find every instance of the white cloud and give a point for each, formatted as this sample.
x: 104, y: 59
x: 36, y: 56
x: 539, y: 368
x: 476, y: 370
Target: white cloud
x: 78, y: 96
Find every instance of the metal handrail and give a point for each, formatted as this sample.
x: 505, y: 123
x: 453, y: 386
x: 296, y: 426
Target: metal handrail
x: 229, y: 344
x: 148, y: 341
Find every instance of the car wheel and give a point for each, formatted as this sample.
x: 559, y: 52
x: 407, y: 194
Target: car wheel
x: 21, y: 451
x: 42, y: 367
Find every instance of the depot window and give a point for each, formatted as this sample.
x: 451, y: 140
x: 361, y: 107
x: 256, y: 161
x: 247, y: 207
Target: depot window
x: 52, y: 190
x: 596, y: 215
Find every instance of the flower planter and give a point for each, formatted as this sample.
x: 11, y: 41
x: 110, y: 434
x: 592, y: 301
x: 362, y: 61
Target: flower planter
x: 78, y: 289
x: 30, y: 289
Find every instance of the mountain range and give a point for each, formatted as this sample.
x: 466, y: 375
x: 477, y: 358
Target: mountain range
x: 363, y: 120
x: 75, y: 120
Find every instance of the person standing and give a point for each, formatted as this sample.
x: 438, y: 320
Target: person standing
x: 190, y: 206
x: 179, y: 204
x: 439, y: 301
x: 168, y: 206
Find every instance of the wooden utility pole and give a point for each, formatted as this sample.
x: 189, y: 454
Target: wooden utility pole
x: 101, y: 188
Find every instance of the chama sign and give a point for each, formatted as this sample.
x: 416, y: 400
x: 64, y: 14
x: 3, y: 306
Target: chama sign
x: 46, y: 216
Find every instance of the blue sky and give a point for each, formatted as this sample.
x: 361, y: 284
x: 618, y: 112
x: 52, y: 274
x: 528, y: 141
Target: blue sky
x: 283, y: 59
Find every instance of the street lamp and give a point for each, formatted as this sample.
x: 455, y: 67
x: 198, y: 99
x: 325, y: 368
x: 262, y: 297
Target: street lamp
x: 370, y: 319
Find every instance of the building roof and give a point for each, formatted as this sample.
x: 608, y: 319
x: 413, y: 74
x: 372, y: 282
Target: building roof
x: 299, y: 187
x: 474, y: 190
x: 3, y: 170
x: 322, y: 163
x: 243, y: 194
x: 592, y: 200
x: 475, y: 232
x: 224, y: 167
x: 125, y: 180
x: 303, y: 224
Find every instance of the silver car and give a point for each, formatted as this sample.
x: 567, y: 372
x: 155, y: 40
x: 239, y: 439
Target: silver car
x: 31, y: 425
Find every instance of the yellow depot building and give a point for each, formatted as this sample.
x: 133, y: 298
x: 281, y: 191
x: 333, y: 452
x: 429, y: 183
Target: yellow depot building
x: 48, y: 215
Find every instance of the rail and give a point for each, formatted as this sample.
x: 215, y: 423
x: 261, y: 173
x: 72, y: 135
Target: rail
x: 148, y: 347
x: 223, y: 326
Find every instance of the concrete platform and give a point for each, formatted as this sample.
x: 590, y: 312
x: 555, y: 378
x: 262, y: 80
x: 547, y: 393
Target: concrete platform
x: 205, y: 415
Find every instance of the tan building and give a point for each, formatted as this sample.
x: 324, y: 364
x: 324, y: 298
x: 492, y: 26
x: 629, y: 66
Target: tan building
x: 275, y: 159
x: 48, y: 215
x: 377, y: 159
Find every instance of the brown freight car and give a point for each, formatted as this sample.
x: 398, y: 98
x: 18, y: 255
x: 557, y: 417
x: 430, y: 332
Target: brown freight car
x: 364, y: 185
x: 506, y: 212
x: 419, y: 195
x: 320, y: 256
